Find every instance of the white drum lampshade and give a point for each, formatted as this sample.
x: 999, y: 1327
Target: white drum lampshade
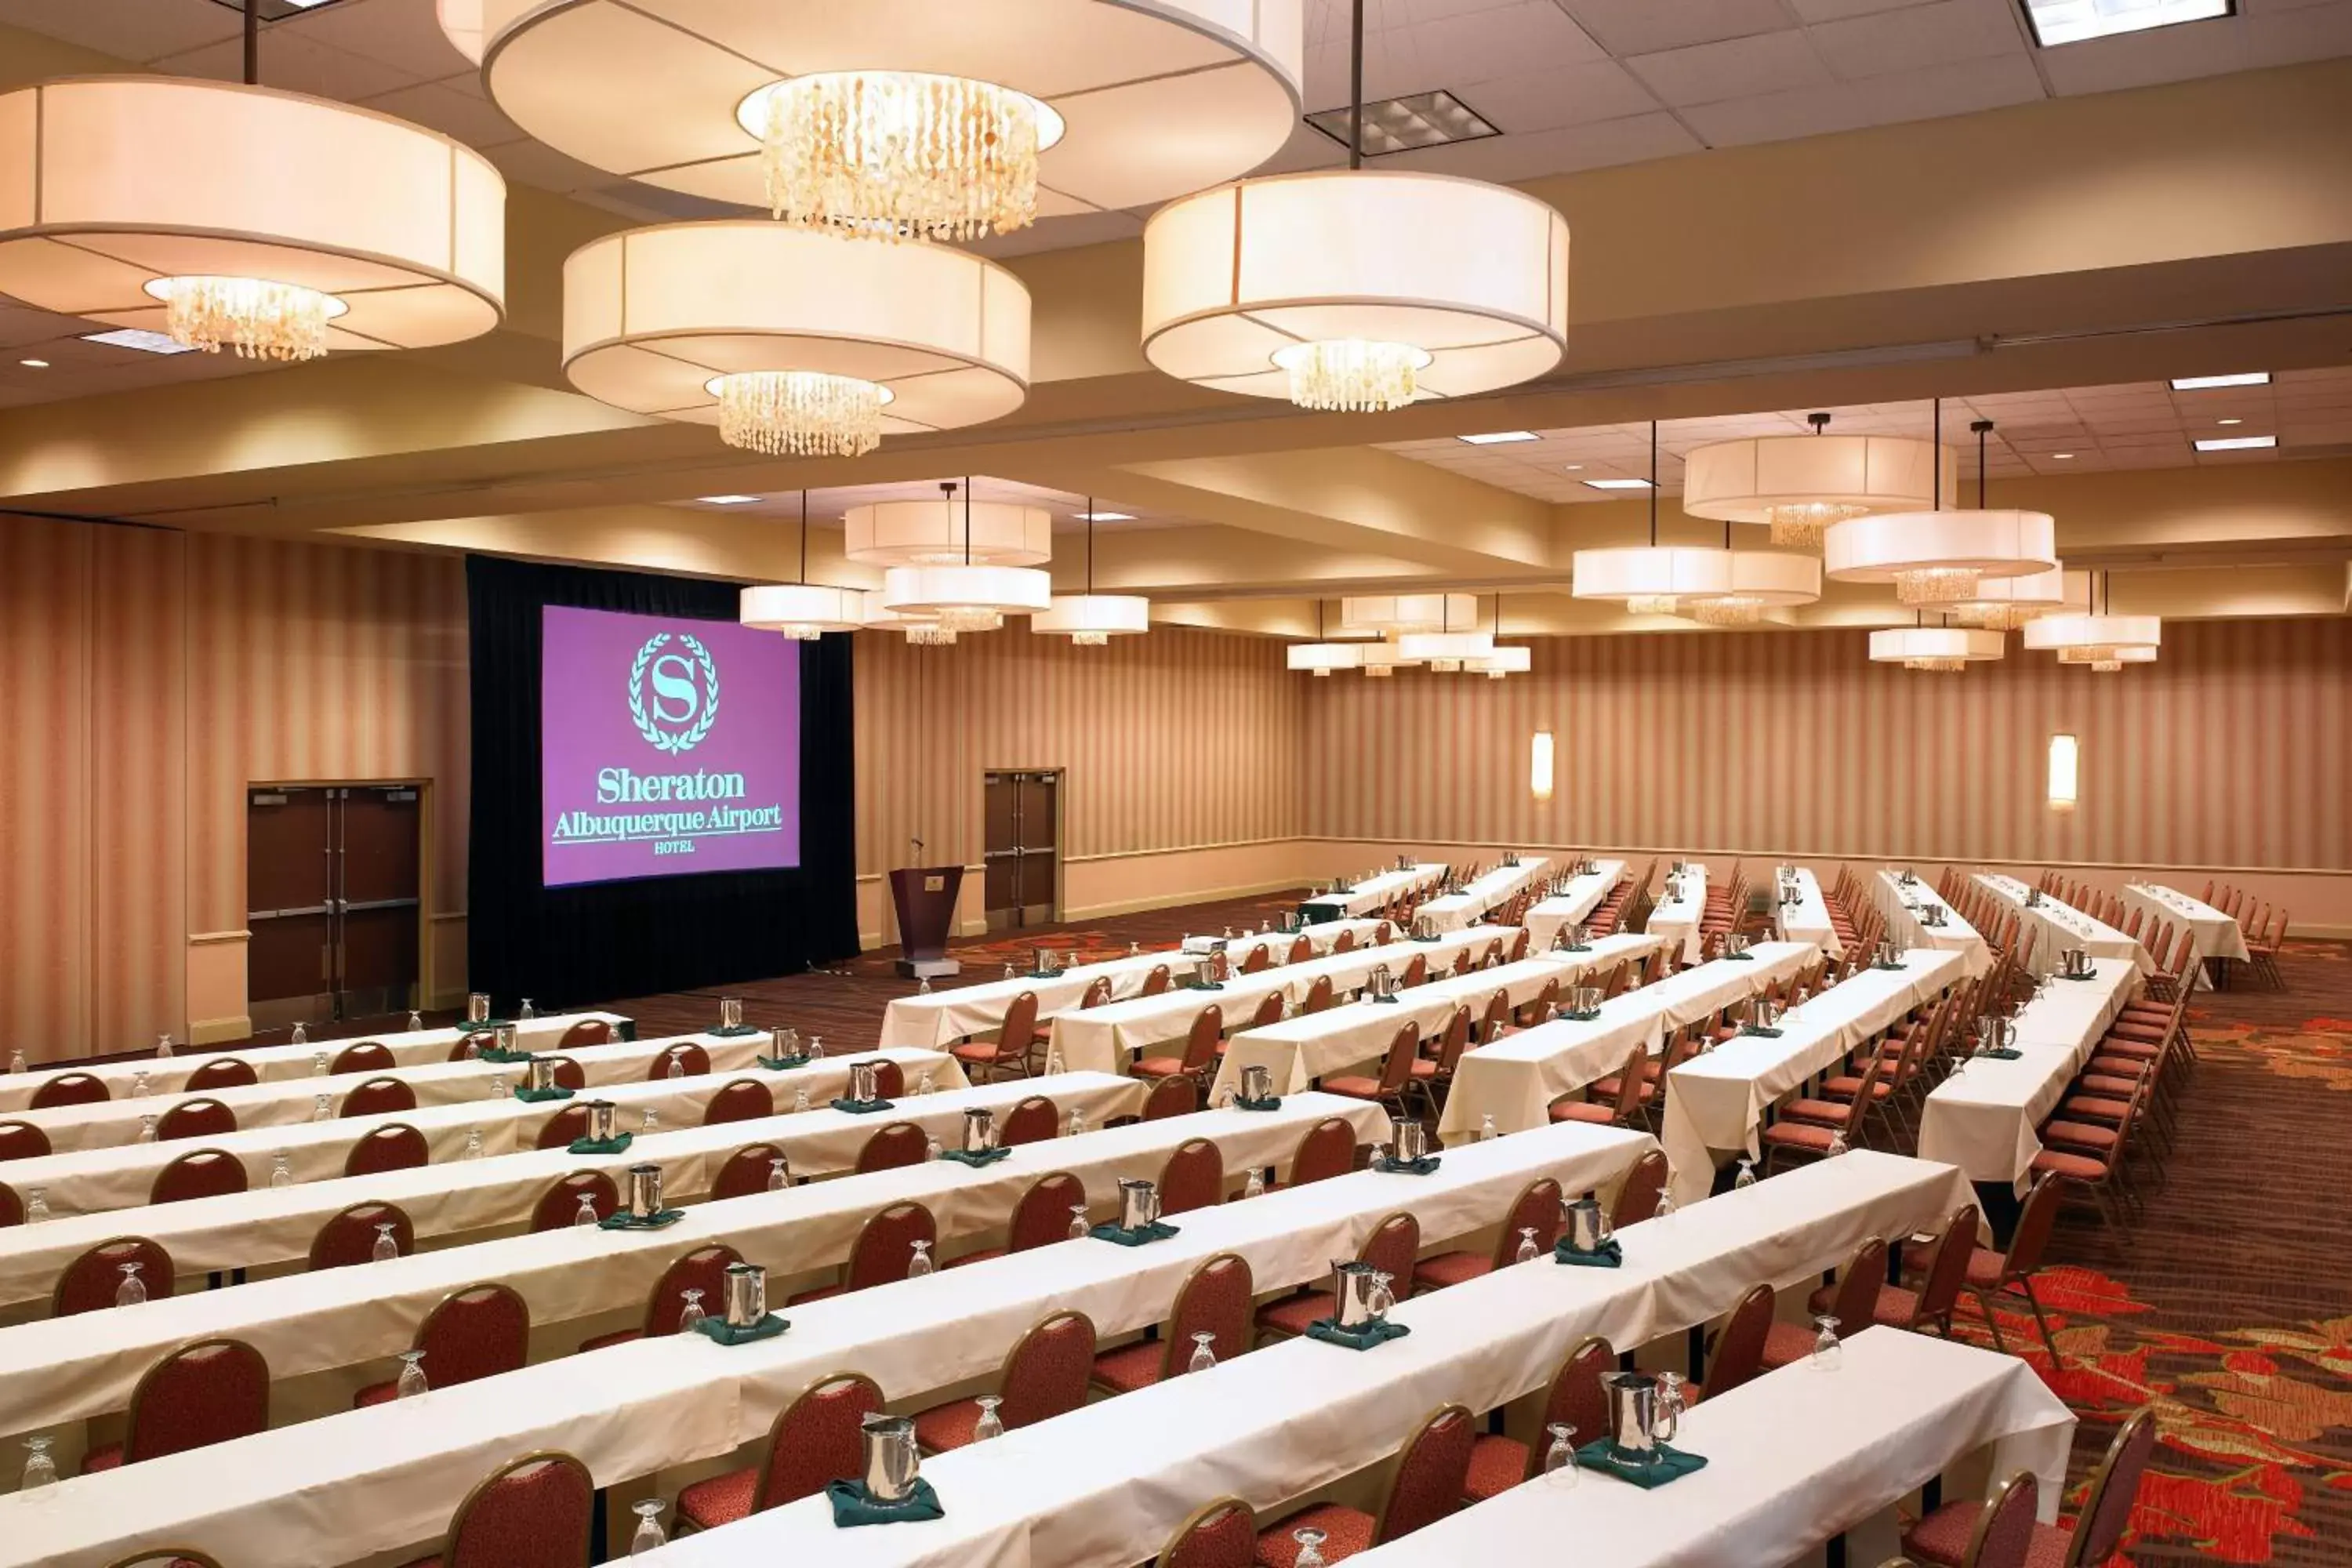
x: 1500, y: 662
x: 1943, y: 649
x: 1092, y: 619
x: 966, y: 598
x: 1390, y: 613
x: 1802, y: 484
x: 273, y: 224
x: 1651, y: 579
x: 2005, y: 604
x: 1759, y: 580
x: 791, y: 341
x: 2056, y: 634
x: 1356, y: 289
x: 1939, y: 557
x: 1382, y: 660
x: 1321, y: 657
x: 1439, y: 648
x: 802, y: 611
x: 950, y: 531
x: 922, y: 630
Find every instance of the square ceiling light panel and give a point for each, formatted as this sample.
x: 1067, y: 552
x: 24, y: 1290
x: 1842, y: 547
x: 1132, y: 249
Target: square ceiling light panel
x: 1404, y: 124
x: 2057, y: 22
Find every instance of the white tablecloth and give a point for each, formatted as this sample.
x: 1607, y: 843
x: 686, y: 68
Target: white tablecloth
x: 1807, y: 918
x: 2216, y: 935
x: 1715, y: 1102
x: 1101, y: 1039
x: 1300, y: 1049
x: 2064, y: 926
x: 1374, y: 892
x: 62, y: 1369
x: 119, y: 1176
x: 1984, y: 1118
x: 271, y: 1226
x: 287, y: 1102
x: 1573, y: 903
x: 276, y: 1064
x: 1794, y: 1458
x: 375, y: 1480
x: 938, y: 1019
x: 1455, y: 910
x: 1102, y: 1487
x: 1677, y: 918
x: 1905, y: 928
x: 1708, y: 988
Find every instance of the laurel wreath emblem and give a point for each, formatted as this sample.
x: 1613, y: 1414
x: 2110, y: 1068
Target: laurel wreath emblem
x: 660, y: 738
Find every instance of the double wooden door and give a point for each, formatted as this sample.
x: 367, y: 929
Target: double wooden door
x: 333, y: 894
x: 1022, y: 855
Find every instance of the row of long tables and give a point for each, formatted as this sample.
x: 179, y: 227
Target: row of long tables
x: 1906, y: 906
x: 2062, y: 925
x: 1375, y: 893
x: 1677, y: 915
x: 1452, y: 911
x: 1574, y: 903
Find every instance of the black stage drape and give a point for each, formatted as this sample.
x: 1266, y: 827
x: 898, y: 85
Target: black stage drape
x: 579, y: 945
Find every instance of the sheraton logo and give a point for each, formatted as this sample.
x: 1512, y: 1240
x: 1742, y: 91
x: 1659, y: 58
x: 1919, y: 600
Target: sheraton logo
x: 671, y: 712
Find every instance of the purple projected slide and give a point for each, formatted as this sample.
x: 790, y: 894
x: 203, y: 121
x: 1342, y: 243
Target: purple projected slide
x: 667, y: 746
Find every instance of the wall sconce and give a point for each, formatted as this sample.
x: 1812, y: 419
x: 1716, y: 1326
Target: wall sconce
x: 1539, y: 765
x: 2064, y: 773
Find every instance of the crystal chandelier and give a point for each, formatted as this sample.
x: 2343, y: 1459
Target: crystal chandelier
x: 901, y: 154
x: 930, y: 633
x: 1727, y: 610
x: 1936, y: 586
x: 259, y: 318
x: 1351, y: 375
x: 1652, y: 604
x: 1937, y: 665
x: 799, y: 412
x: 1802, y: 524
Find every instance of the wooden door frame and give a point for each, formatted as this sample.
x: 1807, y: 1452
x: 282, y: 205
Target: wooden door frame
x: 424, y: 848
x: 1061, y: 776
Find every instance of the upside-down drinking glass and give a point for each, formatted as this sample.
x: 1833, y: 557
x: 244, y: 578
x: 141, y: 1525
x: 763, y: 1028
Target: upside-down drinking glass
x: 1204, y: 1351
x: 586, y: 1213
x: 1827, y: 1352
x: 412, y: 1381
x: 920, y: 1263
x: 132, y: 1290
x: 1527, y: 1244
x: 691, y: 1314
x: 281, y: 1170
x: 387, y: 1246
x: 649, y: 1530
x: 1747, y: 1177
x: 1309, y: 1553
x: 1560, y: 1459
x: 40, y: 1470
x: 778, y: 1176
x: 990, y: 1423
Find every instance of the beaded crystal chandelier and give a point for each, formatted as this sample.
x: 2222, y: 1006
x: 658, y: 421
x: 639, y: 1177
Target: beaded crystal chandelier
x: 799, y: 412
x: 253, y: 317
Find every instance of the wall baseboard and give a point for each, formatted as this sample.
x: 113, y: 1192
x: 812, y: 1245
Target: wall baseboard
x: 213, y: 1031
x: 1193, y: 896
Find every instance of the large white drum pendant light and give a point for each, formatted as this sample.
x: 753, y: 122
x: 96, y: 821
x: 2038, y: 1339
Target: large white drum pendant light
x: 233, y: 216
x: 1755, y: 581
x: 945, y: 118
x: 1092, y: 619
x: 2102, y: 640
x: 1389, y: 614
x: 1943, y: 650
x: 926, y: 533
x: 2005, y: 604
x: 1939, y: 557
x: 968, y: 595
x: 804, y: 611
x: 794, y: 341
x: 1802, y: 484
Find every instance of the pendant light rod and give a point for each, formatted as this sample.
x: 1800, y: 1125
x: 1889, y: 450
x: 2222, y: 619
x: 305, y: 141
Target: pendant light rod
x: 1938, y: 440
x: 1355, y: 88
x: 803, y: 536
x: 1654, y: 482
x: 252, y: 43
x: 1983, y: 427
x: 1090, y: 546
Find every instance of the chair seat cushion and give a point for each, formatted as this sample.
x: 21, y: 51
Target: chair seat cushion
x: 721, y: 1500
x: 1943, y: 1538
x: 2093, y: 1108
x: 1292, y: 1315
x: 2075, y: 1167
x: 1345, y: 1531
x: 1355, y: 1086
x: 1424, y: 1071
x: 1450, y: 1268
x: 373, y: 1394
x: 2111, y: 1075
x: 2079, y: 1135
x: 108, y: 1457
x: 946, y: 1426
x: 1159, y: 1066
x: 1894, y: 1307
x: 1583, y: 1111
x: 603, y: 1340
x: 1131, y: 1367
x: 977, y: 1054
x: 2130, y: 1050
x: 1496, y: 1465
x: 1799, y: 1135
x: 1786, y: 1345
x: 1827, y: 1112
x: 1985, y: 1265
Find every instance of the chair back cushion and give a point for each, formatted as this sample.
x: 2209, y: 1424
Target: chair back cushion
x: 1637, y: 1200
x: 1037, y: 1119
x: 818, y: 1439
x: 89, y: 1281
x: 692, y: 1058
x: 703, y: 1269
x: 886, y: 1245
x: 1171, y: 1097
x: 745, y: 1100
x: 1214, y: 1300
x: 560, y: 1205
x: 481, y: 1332
x: 1193, y: 1178
x: 349, y: 1237
x: 379, y: 1097
x: 194, y: 1119
x: 1430, y: 1473
x: 368, y: 1056
x: 889, y: 1148
x: 1328, y: 1149
x: 745, y: 1171
x: 206, y: 1173
x: 223, y: 1072
x: 68, y: 1089
x: 210, y: 1392
x: 1042, y: 1216
x: 1048, y: 1372
x: 534, y: 1514
x: 396, y: 1146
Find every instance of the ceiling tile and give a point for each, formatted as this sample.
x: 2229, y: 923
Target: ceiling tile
x: 469, y: 118
x: 1919, y: 37
x: 1631, y: 140
x: 402, y: 33
x: 1645, y: 27
x: 1964, y: 87
x: 1809, y: 11
x: 2145, y: 59
x: 2308, y: 33
x: 1777, y: 117
x: 297, y: 64
x: 1392, y: 67
x: 1732, y: 68
x: 1568, y: 95
x: 1490, y: 44
x: 132, y: 30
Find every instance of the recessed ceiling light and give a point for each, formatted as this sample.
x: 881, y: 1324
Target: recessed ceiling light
x: 2059, y: 22
x: 1401, y: 124
x: 2228, y: 422
x: 2235, y: 443
x: 1106, y: 517
x: 1618, y: 484
x: 2062, y: 456
x: 34, y: 363
x: 726, y: 500
x: 1575, y: 468
x: 1497, y: 437
x: 2207, y: 382
x: 146, y: 341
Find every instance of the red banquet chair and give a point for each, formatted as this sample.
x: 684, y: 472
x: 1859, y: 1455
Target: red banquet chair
x: 1041, y: 1216
x: 1425, y: 1487
x: 1045, y: 1375
x: 396, y: 1146
x: 1218, y: 1534
x: 349, y: 1237
x: 816, y: 1439
x: 535, y: 1512
x: 1213, y: 1300
x: 704, y: 1270
x: 477, y: 1332
x: 884, y: 1247
x: 213, y: 1391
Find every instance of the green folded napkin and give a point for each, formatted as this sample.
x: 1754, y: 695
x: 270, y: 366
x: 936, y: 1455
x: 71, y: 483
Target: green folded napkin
x: 734, y: 1031
x: 1668, y: 1463
x: 484, y: 1026
x: 1377, y: 1331
x: 1738, y: 958
x: 1608, y: 1255
x: 1158, y: 1230
x: 1244, y: 1103
x: 854, y: 1505
x: 533, y: 1096
x: 2005, y: 1054
x: 1392, y: 997
x: 626, y: 1028
x: 1760, y: 1032
x: 976, y: 1156
x: 1581, y: 1015
x: 618, y: 1143
x: 492, y: 1053
x: 783, y: 1064
x: 1576, y: 947
x: 1440, y: 937
x: 1891, y: 968
x: 1198, y: 985
x: 719, y: 1330
x: 861, y: 1107
x: 2093, y: 975
x: 1424, y: 1166
x: 621, y: 1219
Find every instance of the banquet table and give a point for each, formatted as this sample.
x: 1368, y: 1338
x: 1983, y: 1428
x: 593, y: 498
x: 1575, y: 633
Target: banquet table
x: 2063, y: 925
x: 272, y: 1227
x: 368, y: 1481
x: 287, y: 1102
x: 1794, y: 1458
x: 1300, y: 1049
x: 1715, y: 1102
x: 63, y: 1369
x: 1575, y: 902
x: 938, y: 1019
x: 1373, y: 892
x: 120, y: 1176
x: 2216, y: 936
x: 1454, y: 910
x: 1903, y: 906
x: 1102, y: 1039
x: 1807, y: 918
x: 276, y: 1063
x: 1984, y: 1117
x: 1706, y: 989
x: 1102, y: 1487
x: 1677, y: 918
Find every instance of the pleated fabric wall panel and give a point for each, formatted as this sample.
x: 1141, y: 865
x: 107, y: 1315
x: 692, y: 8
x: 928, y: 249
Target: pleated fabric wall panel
x: 1177, y: 739
x: 2234, y: 749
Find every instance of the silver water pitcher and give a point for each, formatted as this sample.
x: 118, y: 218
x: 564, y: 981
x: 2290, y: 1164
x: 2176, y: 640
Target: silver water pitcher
x: 477, y: 1007
x: 1138, y: 1202
x: 1355, y: 1287
x: 1288, y: 922
x: 509, y: 1038
x: 745, y: 1295
x: 783, y: 1045
x: 892, y: 1462
x: 1995, y: 1034
x: 730, y: 1012
x: 864, y: 1083
x: 1043, y: 960
x: 1632, y: 1416
x: 2078, y: 962
x: 1766, y: 1013
x: 1410, y: 1141
x: 1380, y: 983
x: 1204, y: 970
x: 1588, y: 1226
x: 979, y: 1129
x: 600, y: 1119
x: 1586, y: 998
x: 645, y: 1190
x: 1404, y: 863
x: 1257, y: 1084
x: 538, y: 1074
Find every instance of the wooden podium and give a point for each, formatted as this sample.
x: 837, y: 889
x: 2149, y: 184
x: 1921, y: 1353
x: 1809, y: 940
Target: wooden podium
x: 924, y: 898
